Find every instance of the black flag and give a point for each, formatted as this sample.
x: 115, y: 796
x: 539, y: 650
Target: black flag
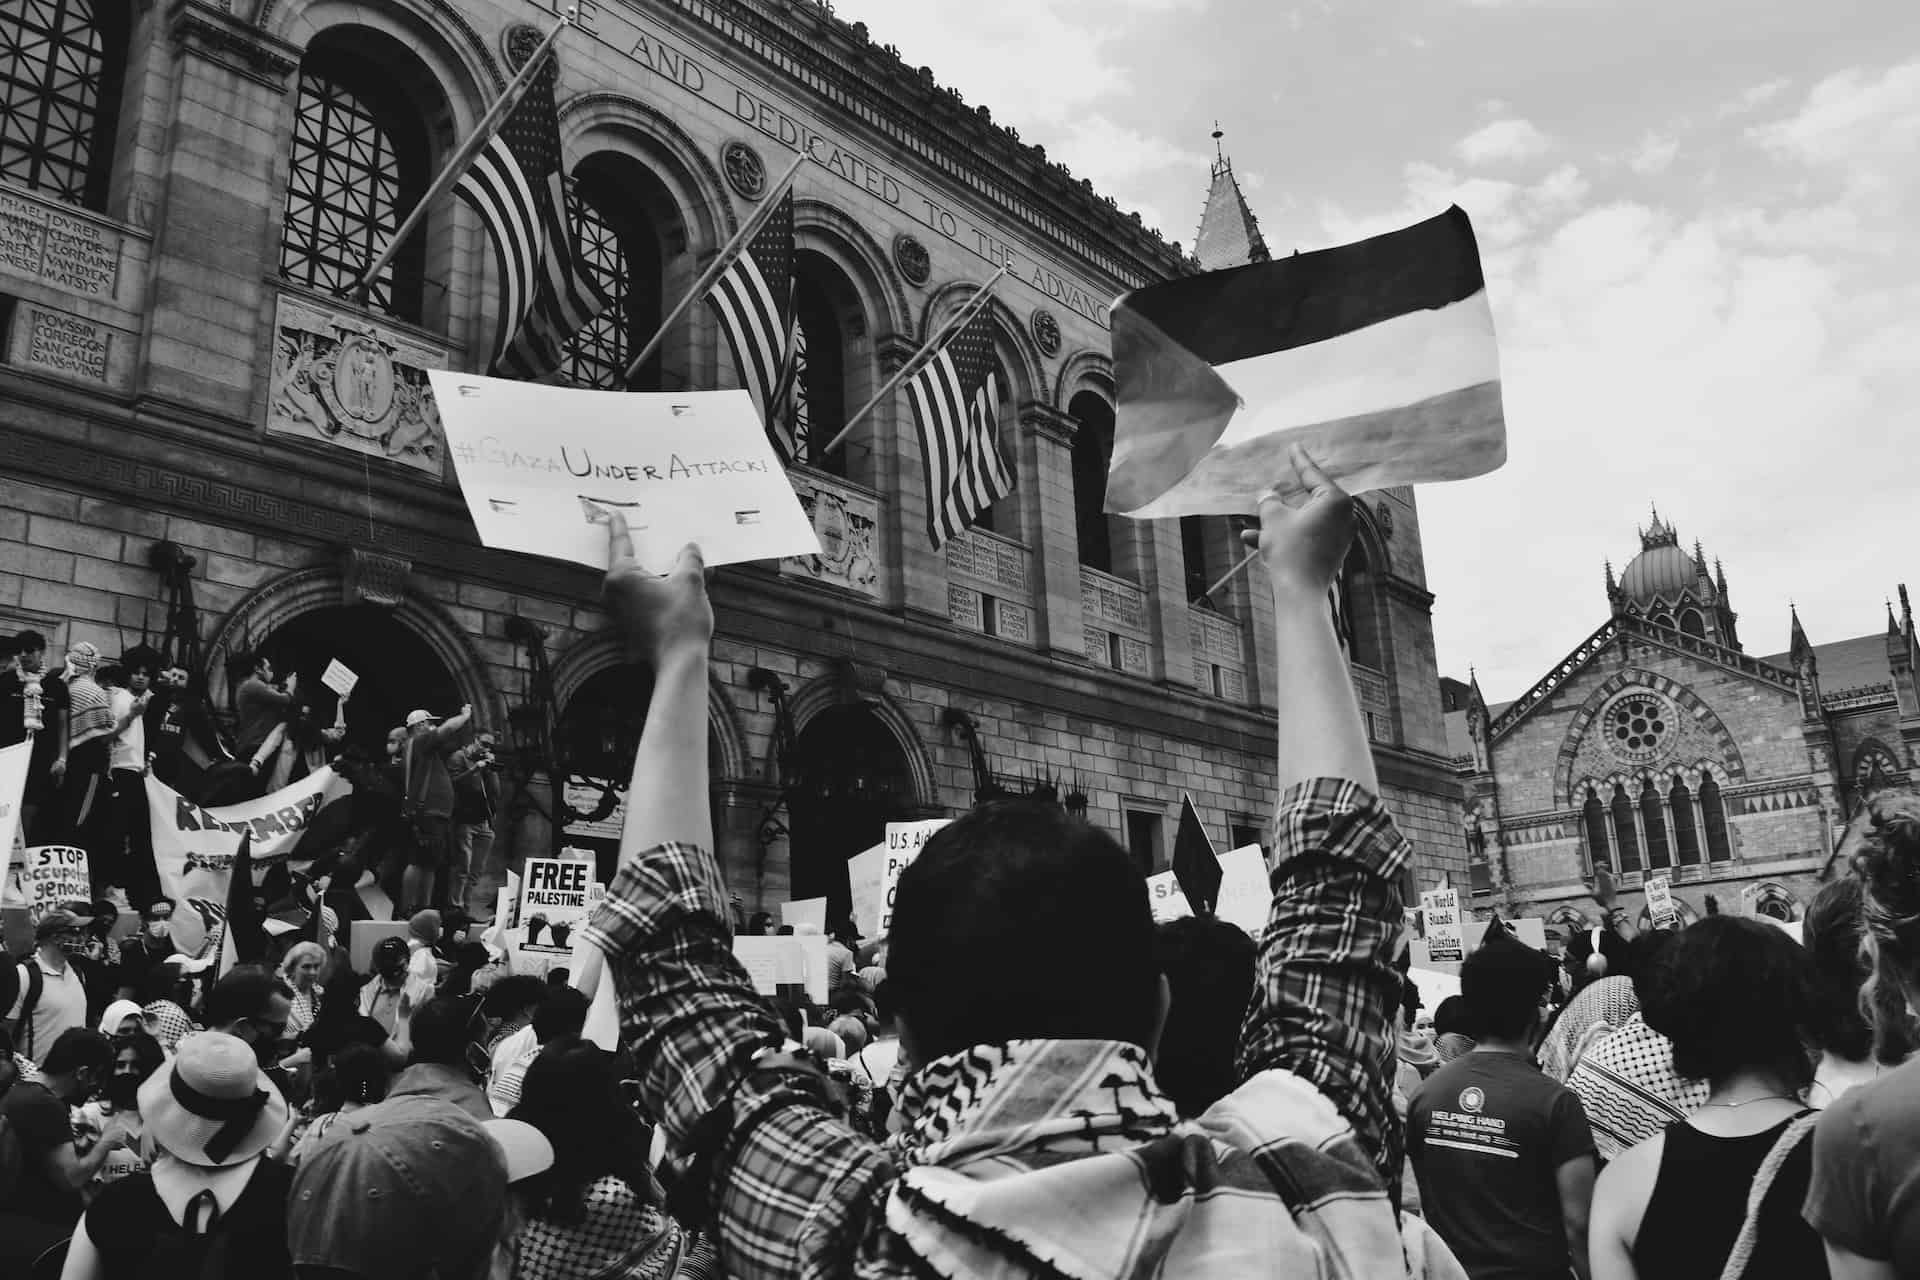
x: 1195, y: 865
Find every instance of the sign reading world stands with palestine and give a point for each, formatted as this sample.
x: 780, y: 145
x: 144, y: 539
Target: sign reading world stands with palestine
x: 1446, y: 941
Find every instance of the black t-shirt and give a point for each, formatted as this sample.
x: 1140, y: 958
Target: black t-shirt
x: 135, y: 1234
x: 42, y: 1123
x: 1487, y: 1135
x: 13, y: 708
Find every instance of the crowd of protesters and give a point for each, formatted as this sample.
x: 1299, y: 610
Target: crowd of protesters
x: 1025, y: 1077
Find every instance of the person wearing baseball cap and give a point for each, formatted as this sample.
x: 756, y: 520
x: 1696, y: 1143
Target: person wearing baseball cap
x: 428, y: 801
x: 408, y: 1189
x: 47, y: 991
x: 212, y: 1113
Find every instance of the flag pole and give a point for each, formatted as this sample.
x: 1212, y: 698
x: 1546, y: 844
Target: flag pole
x: 728, y: 253
x: 1230, y: 574
x: 462, y: 158
x: 933, y: 344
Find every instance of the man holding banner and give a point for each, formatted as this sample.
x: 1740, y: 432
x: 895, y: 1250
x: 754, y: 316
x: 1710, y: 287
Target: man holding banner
x: 1034, y: 1083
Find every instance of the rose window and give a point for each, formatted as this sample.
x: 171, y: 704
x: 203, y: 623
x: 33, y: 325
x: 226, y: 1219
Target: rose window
x: 1639, y: 726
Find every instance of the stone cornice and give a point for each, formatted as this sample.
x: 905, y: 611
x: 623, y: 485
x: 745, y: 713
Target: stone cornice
x: 224, y: 40
x: 1407, y: 592
x: 1049, y: 423
x: 821, y: 56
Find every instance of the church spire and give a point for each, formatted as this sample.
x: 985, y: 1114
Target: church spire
x: 1229, y: 235
x: 1800, y: 647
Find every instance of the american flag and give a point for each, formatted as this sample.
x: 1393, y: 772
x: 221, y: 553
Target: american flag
x: 517, y: 187
x: 792, y: 424
x: 956, y: 399
x: 753, y: 299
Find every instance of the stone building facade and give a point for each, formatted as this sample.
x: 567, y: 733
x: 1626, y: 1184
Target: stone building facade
x: 186, y: 379
x: 1659, y: 746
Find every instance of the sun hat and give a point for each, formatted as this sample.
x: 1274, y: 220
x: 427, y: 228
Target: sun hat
x: 209, y: 1104
x: 420, y: 716
x: 526, y: 1149
x: 408, y: 1187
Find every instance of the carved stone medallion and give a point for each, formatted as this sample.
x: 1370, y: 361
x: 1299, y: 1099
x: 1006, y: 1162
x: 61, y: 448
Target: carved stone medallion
x: 746, y: 172
x: 1046, y: 331
x: 912, y: 258
x: 518, y: 43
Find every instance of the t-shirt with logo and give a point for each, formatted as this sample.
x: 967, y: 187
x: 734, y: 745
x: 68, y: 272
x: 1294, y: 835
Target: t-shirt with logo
x: 1487, y: 1135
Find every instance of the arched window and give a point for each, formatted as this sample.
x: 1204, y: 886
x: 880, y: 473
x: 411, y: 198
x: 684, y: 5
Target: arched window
x: 1092, y: 451
x: 1691, y: 624
x: 1623, y: 831
x: 1359, y: 618
x: 1593, y: 816
x: 1715, y: 817
x: 1686, y: 836
x: 1194, y: 559
x: 1653, y: 817
x: 620, y: 251
x: 61, y: 67
x: 825, y: 380
x: 360, y: 162
x: 1663, y: 620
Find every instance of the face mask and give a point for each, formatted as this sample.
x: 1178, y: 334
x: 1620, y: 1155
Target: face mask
x: 121, y: 1091
x: 158, y: 928
x: 73, y: 946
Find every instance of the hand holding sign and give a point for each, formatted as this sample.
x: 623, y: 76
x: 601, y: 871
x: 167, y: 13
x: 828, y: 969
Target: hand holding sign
x: 659, y: 617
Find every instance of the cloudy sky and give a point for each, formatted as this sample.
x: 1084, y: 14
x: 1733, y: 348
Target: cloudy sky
x: 1698, y: 220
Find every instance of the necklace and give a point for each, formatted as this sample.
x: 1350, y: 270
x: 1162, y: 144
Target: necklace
x: 1747, y: 1102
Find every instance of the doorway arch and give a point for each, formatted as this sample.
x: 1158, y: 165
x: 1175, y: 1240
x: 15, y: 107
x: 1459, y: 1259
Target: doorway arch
x: 399, y: 671
x: 854, y: 778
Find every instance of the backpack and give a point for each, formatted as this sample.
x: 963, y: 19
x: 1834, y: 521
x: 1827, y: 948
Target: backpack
x: 36, y: 986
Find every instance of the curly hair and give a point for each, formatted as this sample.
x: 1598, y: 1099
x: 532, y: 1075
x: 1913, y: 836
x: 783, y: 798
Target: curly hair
x: 572, y: 1094
x: 1734, y: 995
x: 1888, y: 866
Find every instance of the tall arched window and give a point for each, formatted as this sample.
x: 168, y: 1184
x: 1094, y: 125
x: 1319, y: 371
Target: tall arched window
x: 1358, y: 616
x: 1593, y: 816
x: 61, y: 67
x: 1653, y: 817
x: 616, y: 249
x: 1623, y: 831
x: 359, y: 164
x: 1092, y: 451
x: 1715, y: 816
x: 1686, y: 836
x: 1691, y: 624
x: 1193, y: 557
x: 826, y: 378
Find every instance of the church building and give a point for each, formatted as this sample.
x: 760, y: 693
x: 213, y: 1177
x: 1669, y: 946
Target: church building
x: 1660, y: 747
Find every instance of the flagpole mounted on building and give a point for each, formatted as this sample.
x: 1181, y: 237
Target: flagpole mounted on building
x: 1230, y: 574
x: 462, y: 157
x: 769, y: 205
x: 952, y: 326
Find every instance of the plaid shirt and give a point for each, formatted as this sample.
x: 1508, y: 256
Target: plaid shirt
x: 796, y: 1191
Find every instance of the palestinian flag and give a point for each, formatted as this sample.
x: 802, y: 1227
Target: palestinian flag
x: 1377, y: 357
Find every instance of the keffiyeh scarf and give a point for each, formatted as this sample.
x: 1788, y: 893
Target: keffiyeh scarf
x: 619, y: 1239
x: 1603, y: 1004
x: 1629, y: 1088
x: 1062, y: 1159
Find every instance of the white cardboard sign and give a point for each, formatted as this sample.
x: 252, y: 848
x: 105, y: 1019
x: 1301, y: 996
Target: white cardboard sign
x: 1660, y: 902
x: 340, y: 678
x: 1446, y: 942
x: 541, y: 468
x: 1167, y: 899
x: 1246, y: 895
x: 809, y: 911
x: 776, y: 962
x: 904, y: 842
x: 866, y: 877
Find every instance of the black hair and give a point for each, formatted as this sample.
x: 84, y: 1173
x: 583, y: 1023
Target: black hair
x: 572, y: 1094
x: 1503, y: 982
x: 513, y: 993
x: 244, y: 993
x: 358, y: 1073
x: 558, y: 978
x: 563, y: 1014
x: 1833, y: 931
x: 28, y: 642
x: 886, y: 1002
x: 1019, y: 921
x: 142, y: 657
x: 78, y: 1049
x: 439, y: 1032
x: 1887, y: 861
x: 1643, y: 955
x: 1734, y: 995
x: 1209, y: 969
x: 147, y: 1053
x: 1451, y: 1015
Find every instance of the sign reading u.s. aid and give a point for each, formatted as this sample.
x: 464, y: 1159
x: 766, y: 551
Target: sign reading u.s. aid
x: 623, y: 26
x: 904, y: 842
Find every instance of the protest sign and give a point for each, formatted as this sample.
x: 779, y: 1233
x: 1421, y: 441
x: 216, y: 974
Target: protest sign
x: 1446, y: 943
x: 193, y: 846
x: 797, y: 964
x: 866, y: 873
x: 1529, y: 929
x: 1377, y: 357
x: 805, y: 911
x: 1246, y: 896
x: 54, y: 874
x: 1166, y: 898
x: 1660, y: 902
x: 1749, y: 899
x: 557, y: 897
x: 340, y: 678
x: 542, y: 467
x: 13, y: 789
x: 904, y: 842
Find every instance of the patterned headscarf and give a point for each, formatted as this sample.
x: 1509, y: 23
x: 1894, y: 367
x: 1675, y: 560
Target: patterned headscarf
x: 1607, y: 1003
x: 170, y: 1023
x: 1629, y: 1088
x: 83, y: 658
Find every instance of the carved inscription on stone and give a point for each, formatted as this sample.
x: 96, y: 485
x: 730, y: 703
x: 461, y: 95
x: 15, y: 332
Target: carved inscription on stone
x: 68, y: 345
x: 1013, y: 622
x: 64, y: 250
x: 1133, y: 656
x: 965, y: 607
x: 340, y: 378
x: 1112, y: 602
x: 845, y: 520
x: 988, y: 559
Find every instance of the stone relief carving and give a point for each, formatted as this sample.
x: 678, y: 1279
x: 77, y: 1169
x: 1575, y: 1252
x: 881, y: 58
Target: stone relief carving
x: 341, y: 379
x: 846, y: 523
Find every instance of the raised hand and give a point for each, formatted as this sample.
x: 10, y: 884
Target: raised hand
x: 659, y: 618
x: 1306, y: 526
